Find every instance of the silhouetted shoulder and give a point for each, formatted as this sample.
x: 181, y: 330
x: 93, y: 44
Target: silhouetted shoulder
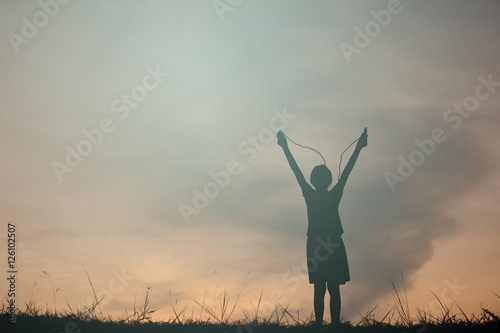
x: 307, y: 189
x: 337, y: 190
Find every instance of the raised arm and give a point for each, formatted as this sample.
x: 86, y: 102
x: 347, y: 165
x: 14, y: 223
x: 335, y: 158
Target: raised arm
x: 363, y: 142
x: 291, y: 160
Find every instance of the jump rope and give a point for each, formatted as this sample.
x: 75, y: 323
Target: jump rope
x: 324, y: 161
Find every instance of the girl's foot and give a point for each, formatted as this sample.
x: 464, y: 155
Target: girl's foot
x: 318, y: 326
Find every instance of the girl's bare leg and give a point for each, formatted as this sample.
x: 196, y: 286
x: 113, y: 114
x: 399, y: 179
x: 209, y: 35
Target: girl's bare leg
x: 319, y: 301
x: 335, y: 304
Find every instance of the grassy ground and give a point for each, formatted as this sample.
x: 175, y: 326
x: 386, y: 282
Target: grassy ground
x: 73, y: 325
x: 34, y: 318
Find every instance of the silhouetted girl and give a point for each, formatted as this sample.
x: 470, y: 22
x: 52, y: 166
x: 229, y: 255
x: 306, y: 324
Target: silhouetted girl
x: 326, y: 256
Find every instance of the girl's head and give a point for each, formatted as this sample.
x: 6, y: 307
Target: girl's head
x: 321, y: 177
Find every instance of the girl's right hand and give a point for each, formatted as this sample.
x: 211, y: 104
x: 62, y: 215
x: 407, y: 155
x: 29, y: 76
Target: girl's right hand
x: 282, y: 139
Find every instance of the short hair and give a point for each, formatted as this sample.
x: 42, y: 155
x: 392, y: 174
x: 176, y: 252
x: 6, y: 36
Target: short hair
x: 321, y: 174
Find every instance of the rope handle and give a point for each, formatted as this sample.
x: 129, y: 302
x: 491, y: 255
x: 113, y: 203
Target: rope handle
x: 298, y: 144
x: 324, y: 161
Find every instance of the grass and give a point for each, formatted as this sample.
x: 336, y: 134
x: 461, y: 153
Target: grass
x: 219, y: 318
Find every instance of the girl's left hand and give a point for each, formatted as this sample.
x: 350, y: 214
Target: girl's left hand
x: 363, y: 139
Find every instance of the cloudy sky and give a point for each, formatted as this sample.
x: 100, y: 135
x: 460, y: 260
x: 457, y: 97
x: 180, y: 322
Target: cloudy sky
x: 115, y: 116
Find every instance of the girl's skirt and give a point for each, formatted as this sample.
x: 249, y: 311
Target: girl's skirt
x: 327, y: 260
